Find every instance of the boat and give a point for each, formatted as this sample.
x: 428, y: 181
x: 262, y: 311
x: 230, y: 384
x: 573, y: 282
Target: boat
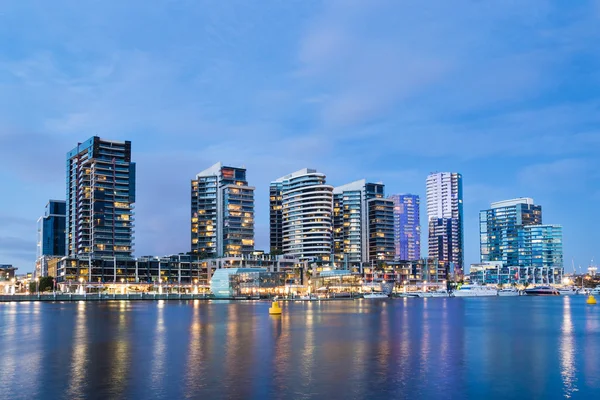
x: 433, y: 293
x: 567, y: 291
x: 375, y: 295
x: 595, y: 291
x: 475, y: 291
x: 307, y: 298
x: 541, y: 291
x: 509, y: 292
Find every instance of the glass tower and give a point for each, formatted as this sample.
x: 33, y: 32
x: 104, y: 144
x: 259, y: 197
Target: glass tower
x: 541, y: 246
x: 100, y: 199
x: 500, y: 229
x: 304, y: 226
x: 407, y: 227
x: 222, y: 220
x: 51, y: 230
x: 445, y: 218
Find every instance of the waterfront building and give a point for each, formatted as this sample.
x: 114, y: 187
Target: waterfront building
x: 407, y: 227
x: 500, y: 229
x: 51, y: 236
x: 7, y: 272
x: 362, y: 224
x: 445, y: 219
x: 100, y: 200
x: 542, y: 246
x: 222, y: 212
x: 495, y: 272
x: 303, y: 227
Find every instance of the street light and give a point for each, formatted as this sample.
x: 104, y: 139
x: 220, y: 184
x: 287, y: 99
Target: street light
x: 81, y: 285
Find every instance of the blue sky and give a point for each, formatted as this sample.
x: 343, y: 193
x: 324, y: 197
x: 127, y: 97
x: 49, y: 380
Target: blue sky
x: 503, y: 91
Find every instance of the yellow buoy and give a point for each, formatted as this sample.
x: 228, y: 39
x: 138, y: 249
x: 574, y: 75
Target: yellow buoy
x: 275, y: 309
x: 591, y: 299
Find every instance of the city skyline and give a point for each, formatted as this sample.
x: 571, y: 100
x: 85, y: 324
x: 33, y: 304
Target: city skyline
x: 516, y: 119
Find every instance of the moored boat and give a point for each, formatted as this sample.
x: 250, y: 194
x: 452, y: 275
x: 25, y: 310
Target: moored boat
x: 509, y: 292
x: 541, y: 291
x: 475, y: 291
x: 375, y: 295
x: 595, y: 291
x: 567, y: 291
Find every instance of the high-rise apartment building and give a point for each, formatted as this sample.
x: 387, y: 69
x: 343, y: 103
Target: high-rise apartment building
x: 100, y: 199
x: 407, y: 227
x: 541, y: 247
x: 362, y: 224
x: 52, y: 230
x: 51, y: 236
x: 302, y: 226
x: 381, y: 230
x: 445, y: 218
x: 500, y: 229
x: 222, y: 212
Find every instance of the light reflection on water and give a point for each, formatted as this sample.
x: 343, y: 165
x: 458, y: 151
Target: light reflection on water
x: 493, y: 348
x: 567, y: 350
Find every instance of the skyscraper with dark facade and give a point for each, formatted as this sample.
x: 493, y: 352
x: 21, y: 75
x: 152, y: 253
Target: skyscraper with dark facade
x: 52, y: 230
x: 362, y: 224
x: 222, y: 212
x: 100, y: 199
x: 445, y: 219
x: 407, y: 227
x: 51, y: 237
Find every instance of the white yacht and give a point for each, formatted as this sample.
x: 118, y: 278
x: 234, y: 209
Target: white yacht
x: 375, y: 295
x: 509, y: 292
x: 433, y: 293
x: 567, y: 291
x: 475, y: 291
x: 595, y: 291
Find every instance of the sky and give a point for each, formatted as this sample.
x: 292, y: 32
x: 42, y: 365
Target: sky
x: 505, y: 92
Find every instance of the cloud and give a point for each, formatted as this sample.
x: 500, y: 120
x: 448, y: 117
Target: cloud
x: 562, y: 175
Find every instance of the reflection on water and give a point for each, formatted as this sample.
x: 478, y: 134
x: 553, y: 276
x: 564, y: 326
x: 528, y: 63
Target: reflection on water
x: 80, y: 351
x: 493, y: 348
x: 159, y: 348
x: 567, y: 350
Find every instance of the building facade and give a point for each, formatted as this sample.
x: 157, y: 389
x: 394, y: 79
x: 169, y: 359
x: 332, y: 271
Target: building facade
x: 445, y: 219
x: 381, y: 230
x: 500, y: 229
x: 542, y: 246
x: 222, y: 212
x: 407, y: 227
x: 100, y: 200
x: 51, y: 236
x: 362, y: 224
x: 305, y: 222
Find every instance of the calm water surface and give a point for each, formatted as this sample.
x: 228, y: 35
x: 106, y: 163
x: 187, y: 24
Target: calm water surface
x: 494, y: 348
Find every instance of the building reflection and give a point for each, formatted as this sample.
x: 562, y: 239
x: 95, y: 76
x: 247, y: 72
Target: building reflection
x: 193, y: 368
x: 160, y: 347
x: 567, y: 351
x: 79, y: 360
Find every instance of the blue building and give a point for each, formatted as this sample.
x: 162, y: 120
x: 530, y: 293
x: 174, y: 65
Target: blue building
x: 100, y: 200
x: 407, y: 227
x: 52, y: 230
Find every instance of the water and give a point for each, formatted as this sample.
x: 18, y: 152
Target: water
x: 493, y: 348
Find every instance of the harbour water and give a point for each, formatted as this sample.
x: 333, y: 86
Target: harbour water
x: 439, y: 348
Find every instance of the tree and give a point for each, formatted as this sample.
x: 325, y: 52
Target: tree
x: 46, y: 283
x: 276, y: 252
